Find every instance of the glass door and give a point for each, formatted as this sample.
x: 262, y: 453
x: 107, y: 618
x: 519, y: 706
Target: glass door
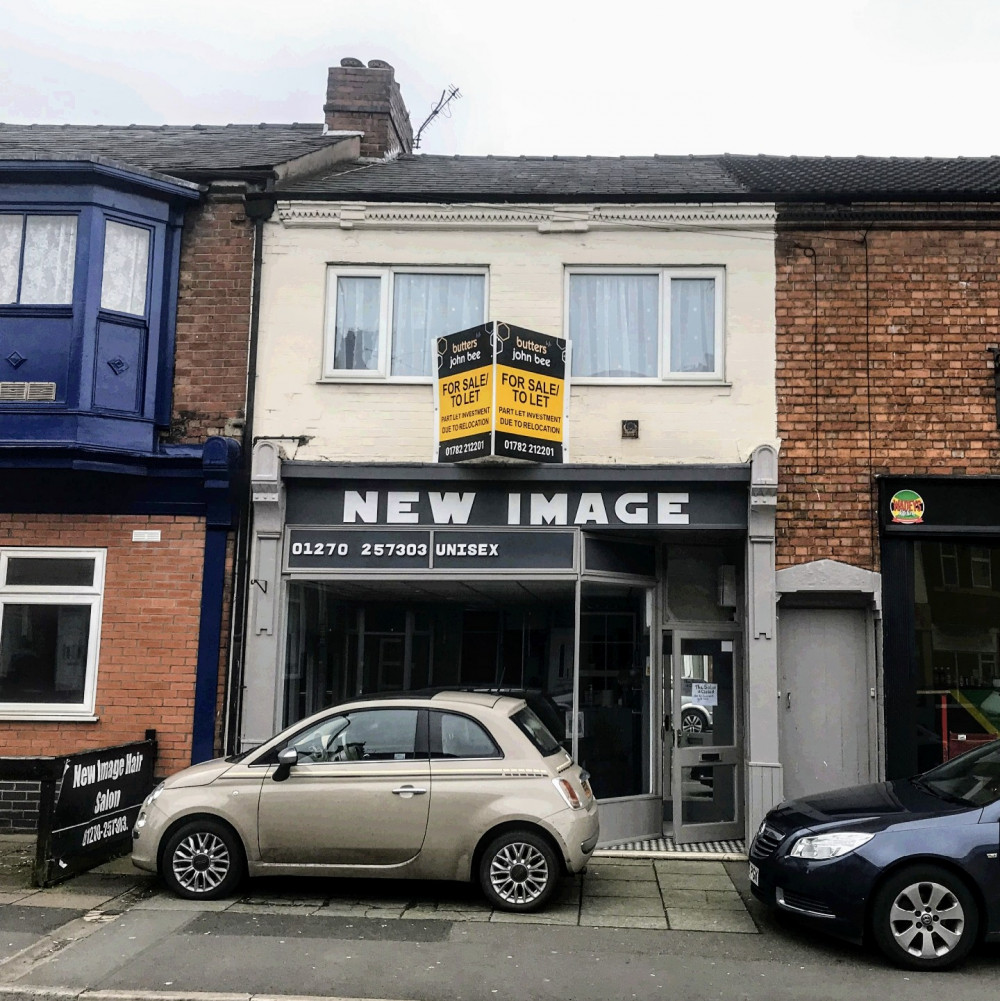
x: 702, y: 735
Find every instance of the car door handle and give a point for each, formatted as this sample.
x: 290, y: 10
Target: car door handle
x: 408, y: 791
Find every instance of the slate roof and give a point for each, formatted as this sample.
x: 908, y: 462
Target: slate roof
x: 726, y: 177
x: 172, y: 149
x: 200, y: 151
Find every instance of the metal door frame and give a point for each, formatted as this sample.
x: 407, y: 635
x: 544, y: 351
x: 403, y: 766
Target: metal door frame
x: 687, y: 757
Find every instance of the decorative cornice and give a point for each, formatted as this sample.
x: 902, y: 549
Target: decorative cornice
x: 545, y: 218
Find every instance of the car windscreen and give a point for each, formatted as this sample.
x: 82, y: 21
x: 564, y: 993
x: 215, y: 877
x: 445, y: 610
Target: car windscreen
x: 536, y: 731
x: 973, y: 777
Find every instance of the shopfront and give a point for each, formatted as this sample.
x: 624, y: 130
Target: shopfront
x: 613, y: 600
x: 941, y: 594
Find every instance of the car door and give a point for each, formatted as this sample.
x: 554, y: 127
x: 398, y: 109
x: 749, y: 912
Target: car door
x: 358, y: 796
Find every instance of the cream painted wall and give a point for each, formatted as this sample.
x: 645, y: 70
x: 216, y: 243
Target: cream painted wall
x: 347, y: 421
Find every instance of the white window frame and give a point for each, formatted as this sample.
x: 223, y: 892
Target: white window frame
x: 981, y: 557
x: 664, y: 376
x: 91, y: 596
x: 949, y: 564
x: 387, y: 274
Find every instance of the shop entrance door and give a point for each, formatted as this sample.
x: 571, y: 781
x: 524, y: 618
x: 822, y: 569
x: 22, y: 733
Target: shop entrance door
x: 703, y: 773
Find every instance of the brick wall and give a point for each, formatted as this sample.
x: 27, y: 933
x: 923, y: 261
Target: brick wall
x: 149, y: 634
x: 882, y: 367
x: 213, y: 321
x: 19, y: 806
x: 368, y: 99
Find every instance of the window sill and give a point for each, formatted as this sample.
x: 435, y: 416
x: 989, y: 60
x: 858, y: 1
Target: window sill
x: 375, y: 380
x: 43, y: 716
x: 673, y: 383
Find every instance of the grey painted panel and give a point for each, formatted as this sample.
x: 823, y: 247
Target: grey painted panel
x: 824, y: 699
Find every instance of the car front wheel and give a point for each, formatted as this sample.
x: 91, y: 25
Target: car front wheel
x: 925, y: 918
x: 203, y: 860
x: 518, y: 871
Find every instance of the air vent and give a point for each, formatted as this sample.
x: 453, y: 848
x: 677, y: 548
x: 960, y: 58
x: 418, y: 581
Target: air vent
x: 11, y: 392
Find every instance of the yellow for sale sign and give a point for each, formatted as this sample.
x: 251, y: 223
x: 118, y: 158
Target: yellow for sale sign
x: 501, y: 391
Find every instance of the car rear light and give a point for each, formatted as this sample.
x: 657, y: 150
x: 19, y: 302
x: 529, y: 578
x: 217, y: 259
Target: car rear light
x: 585, y: 785
x: 568, y: 793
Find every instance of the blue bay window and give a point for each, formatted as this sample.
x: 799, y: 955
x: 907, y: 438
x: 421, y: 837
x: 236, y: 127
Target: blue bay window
x: 89, y: 261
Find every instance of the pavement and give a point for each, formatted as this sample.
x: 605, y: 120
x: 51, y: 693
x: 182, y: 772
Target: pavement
x: 615, y: 892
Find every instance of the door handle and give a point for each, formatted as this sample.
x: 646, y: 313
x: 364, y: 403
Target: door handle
x: 408, y: 791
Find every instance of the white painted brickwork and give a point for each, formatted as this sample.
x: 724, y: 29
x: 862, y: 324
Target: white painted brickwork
x: 388, y: 422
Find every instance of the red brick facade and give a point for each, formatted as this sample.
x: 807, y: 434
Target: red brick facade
x: 213, y: 321
x: 149, y: 633
x: 882, y: 367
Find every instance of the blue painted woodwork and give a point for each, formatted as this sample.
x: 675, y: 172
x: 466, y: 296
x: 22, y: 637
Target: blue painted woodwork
x: 113, y: 372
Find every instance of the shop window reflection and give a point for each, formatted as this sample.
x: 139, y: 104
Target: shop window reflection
x: 958, y: 626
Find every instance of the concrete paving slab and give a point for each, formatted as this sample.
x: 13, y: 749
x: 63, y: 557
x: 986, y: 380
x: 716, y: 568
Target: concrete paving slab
x: 621, y: 888
x: 432, y: 912
x: 13, y: 896
x: 689, y: 867
x: 611, y: 870
x: 550, y: 916
x: 271, y: 908
x: 623, y: 921
x: 679, y: 881
x: 635, y: 906
x: 69, y: 899
x: 703, y: 919
x: 711, y: 899
x: 168, y: 902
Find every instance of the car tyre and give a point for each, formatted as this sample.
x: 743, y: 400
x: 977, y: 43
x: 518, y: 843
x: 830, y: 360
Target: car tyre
x: 519, y: 871
x: 925, y: 918
x: 203, y: 860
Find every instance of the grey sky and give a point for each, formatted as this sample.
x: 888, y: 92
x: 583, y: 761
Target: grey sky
x: 840, y: 77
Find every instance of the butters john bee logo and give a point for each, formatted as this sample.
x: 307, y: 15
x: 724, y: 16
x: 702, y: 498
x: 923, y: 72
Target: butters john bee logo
x: 907, y: 508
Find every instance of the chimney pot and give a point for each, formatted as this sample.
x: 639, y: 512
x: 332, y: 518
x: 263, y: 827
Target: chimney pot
x: 378, y: 64
x: 349, y: 61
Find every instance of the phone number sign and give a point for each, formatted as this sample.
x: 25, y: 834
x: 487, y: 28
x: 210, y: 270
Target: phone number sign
x: 344, y: 549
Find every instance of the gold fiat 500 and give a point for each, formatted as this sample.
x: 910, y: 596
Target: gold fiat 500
x: 457, y: 785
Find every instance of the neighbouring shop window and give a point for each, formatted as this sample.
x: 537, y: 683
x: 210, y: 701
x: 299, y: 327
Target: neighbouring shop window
x: 958, y: 634
x: 382, y: 321
x: 50, y: 612
x: 37, y: 259
x: 126, y: 266
x: 648, y: 324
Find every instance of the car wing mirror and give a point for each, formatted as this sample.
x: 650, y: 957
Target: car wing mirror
x: 287, y: 757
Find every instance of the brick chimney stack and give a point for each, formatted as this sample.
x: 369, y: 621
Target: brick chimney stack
x: 367, y: 99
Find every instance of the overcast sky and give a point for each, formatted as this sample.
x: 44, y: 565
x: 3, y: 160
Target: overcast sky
x: 812, y: 77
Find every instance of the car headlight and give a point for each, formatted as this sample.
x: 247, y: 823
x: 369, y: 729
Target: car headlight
x: 833, y: 845
x: 154, y: 794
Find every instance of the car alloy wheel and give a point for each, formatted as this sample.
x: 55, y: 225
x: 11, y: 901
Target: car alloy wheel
x: 203, y: 861
x: 518, y: 871
x: 925, y: 918
x: 693, y: 722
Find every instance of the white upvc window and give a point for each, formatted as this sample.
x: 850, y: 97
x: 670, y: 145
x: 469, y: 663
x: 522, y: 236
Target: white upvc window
x: 646, y: 325
x: 381, y: 321
x: 50, y: 624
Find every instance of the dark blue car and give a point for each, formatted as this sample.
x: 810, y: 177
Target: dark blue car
x: 911, y: 864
